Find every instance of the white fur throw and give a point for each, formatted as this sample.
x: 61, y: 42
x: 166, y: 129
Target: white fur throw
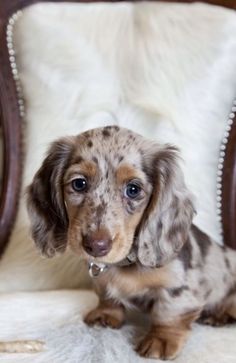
x: 56, y: 318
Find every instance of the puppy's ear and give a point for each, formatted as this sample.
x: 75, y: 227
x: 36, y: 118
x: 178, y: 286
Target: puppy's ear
x: 45, y: 201
x: 167, y: 219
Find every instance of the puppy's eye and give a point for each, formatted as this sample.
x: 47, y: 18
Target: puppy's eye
x: 132, y: 190
x: 79, y: 184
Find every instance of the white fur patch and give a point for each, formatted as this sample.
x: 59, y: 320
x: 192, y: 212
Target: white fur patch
x: 56, y: 318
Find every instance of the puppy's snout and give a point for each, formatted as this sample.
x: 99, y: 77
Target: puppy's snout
x: 97, y: 244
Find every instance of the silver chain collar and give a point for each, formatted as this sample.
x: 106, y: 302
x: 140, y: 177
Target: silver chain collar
x: 97, y: 268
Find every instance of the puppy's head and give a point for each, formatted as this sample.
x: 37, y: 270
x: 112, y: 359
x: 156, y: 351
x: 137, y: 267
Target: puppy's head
x: 108, y: 190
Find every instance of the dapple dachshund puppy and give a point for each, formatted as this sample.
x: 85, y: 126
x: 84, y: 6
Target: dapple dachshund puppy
x: 120, y: 201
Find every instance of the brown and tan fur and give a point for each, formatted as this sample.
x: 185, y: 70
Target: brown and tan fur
x: 178, y: 276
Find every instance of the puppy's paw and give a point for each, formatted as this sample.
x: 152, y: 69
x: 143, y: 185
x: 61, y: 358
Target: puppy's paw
x: 107, y: 318
x: 156, y: 348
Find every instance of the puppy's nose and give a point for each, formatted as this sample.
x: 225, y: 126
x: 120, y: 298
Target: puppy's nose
x: 97, y: 244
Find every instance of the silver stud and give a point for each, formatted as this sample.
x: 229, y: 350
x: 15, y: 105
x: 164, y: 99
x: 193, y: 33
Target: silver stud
x: 231, y: 115
x: 218, y: 212
x: 15, y: 16
x: 9, y: 27
x: 9, y: 33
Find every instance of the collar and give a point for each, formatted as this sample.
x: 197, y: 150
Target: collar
x: 97, y: 268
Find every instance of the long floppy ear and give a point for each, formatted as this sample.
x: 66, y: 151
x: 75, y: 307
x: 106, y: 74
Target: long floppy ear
x: 167, y: 219
x: 49, y: 221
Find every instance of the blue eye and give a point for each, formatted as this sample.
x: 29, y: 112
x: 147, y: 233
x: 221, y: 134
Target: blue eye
x: 132, y: 190
x: 79, y: 184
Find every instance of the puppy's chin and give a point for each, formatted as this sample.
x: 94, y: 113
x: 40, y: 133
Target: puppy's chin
x: 115, y: 256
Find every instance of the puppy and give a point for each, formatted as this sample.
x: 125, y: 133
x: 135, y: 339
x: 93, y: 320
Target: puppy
x: 120, y: 201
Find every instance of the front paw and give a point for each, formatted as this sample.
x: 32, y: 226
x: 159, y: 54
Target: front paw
x: 106, y: 318
x: 158, y: 348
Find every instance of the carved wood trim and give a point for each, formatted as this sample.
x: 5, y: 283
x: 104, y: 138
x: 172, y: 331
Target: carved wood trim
x: 11, y: 123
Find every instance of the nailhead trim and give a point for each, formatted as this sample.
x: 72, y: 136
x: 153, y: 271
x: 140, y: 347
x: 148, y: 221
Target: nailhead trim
x: 221, y: 160
x: 11, y: 52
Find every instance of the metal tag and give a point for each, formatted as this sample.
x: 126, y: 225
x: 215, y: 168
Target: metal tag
x: 95, y: 269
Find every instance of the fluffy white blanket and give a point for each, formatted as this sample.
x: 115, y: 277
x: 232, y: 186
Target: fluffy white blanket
x: 56, y: 317
x: 164, y: 70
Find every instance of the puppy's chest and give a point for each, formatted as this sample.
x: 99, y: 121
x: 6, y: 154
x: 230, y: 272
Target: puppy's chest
x: 142, y: 299
x: 135, y: 289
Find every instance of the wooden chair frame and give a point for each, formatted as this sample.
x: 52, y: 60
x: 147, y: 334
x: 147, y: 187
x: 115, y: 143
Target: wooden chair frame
x: 11, y: 123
